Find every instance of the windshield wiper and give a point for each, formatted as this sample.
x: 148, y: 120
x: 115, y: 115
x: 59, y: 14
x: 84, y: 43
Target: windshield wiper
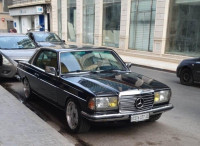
x: 78, y: 71
x: 108, y: 71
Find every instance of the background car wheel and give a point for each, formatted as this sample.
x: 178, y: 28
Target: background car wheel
x: 154, y: 118
x: 27, y: 89
x: 75, y: 122
x: 186, y: 77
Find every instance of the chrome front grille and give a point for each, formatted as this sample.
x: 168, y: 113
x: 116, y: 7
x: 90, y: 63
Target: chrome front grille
x: 127, y: 102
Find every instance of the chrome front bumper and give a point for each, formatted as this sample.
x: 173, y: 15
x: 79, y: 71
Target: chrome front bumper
x: 125, y: 116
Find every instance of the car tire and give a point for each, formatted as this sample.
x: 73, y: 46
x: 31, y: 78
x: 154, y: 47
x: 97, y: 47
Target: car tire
x: 154, y: 118
x: 186, y: 77
x: 27, y: 90
x: 75, y: 122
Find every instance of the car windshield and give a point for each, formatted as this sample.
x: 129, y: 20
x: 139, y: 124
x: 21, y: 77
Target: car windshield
x: 78, y: 61
x: 46, y: 37
x: 16, y: 42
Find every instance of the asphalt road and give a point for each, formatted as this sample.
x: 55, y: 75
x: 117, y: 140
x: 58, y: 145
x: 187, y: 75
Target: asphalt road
x: 179, y: 127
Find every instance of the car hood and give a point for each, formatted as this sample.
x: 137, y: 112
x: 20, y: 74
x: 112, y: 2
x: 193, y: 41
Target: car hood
x: 191, y: 60
x: 17, y: 55
x: 112, y: 83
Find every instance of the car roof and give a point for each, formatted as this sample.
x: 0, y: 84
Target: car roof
x: 76, y: 49
x: 12, y: 34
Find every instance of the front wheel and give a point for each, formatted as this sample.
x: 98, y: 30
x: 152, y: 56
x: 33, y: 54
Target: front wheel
x: 75, y: 122
x: 186, y: 77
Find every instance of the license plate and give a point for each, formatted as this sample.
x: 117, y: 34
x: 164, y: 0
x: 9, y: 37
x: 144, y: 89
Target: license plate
x: 141, y: 117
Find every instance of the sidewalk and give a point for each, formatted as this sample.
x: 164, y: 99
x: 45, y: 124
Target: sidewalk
x: 150, y: 63
x: 20, y: 126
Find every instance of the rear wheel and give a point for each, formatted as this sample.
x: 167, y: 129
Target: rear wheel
x: 27, y: 89
x: 75, y: 122
x: 154, y: 118
x: 186, y: 77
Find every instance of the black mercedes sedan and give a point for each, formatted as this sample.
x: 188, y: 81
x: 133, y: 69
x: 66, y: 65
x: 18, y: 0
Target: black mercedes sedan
x: 189, y: 71
x: 93, y: 85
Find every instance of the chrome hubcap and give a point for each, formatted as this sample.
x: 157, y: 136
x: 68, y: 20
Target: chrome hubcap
x: 26, y: 88
x: 72, y: 115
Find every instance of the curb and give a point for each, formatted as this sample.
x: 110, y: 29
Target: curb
x: 154, y: 68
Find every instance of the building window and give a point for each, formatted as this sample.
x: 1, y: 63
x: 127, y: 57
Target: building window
x: 60, y: 18
x: 71, y: 20
x: 142, y: 24
x: 111, y: 22
x: 184, y: 28
x: 88, y: 21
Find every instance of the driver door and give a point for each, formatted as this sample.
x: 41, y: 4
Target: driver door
x: 46, y: 82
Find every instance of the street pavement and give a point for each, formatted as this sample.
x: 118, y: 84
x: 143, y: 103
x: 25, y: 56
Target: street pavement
x: 19, y: 126
x: 178, y: 127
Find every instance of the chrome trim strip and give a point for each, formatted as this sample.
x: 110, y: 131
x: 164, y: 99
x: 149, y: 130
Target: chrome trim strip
x: 25, y: 72
x: 120, y: 116
x: 135, y: 92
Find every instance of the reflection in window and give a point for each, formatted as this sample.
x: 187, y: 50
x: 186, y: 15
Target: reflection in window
x: 142, y: 24
x: 88, y: 21
x: 111, y: 22
x: 19, y: 42
x: 89, y: 61
x: 184, y: 34
x: 71, y: 20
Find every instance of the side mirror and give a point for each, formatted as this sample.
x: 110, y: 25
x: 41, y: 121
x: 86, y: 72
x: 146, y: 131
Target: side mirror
x: 129, y: 64
x: 50, y: 70
x: 1, y: 60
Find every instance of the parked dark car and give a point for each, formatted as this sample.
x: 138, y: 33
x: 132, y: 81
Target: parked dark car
x: 189, y: 71
x: 93, y: 85
x: 14, y: 48
x: 47, y: 39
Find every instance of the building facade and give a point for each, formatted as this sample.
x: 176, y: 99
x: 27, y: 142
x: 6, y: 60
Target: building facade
x: 31, y: 15
x: 151, y: 26
x: 6, y: 21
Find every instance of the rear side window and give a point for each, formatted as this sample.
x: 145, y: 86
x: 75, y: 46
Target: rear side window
x: 46, y: 58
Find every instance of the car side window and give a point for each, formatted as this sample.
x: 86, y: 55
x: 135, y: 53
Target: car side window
x: 46, y: 58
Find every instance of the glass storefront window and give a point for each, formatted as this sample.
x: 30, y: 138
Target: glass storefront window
x: 71, y: 20
x: 184, y: 28
x: 142, y: 24
x: 88, y: 21
x: 59, y: 19
x: 111, y: 22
